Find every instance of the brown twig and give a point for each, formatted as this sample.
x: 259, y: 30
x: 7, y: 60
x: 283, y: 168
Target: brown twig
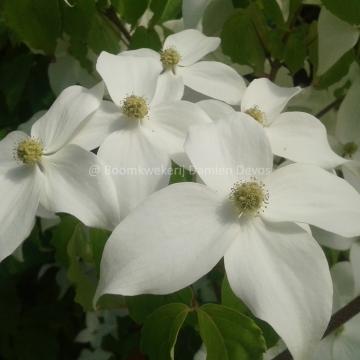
x: 329, y: 107
x: 111, y: 15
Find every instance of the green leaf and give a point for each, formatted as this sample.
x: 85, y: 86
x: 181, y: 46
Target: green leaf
x: 295, y: 50
x: 229, y: 335
x: 79, y: 273
x: 130, y: 10
x: 161, y: 330
x: 36, y: 22
x: 347, y: 10
x: 240, y: 3
x: 102, y: 5
x: 164, y: 10
x: 98, y: 238
x: 14, y: 75
x: 215, y: 15
x: 294, y: 6
x: 79, y: 249
x: 241, y: 42
x: 272, y: 12
x: 180, y: 174
x: 337, y: 72
x: 61, y: 236
x: 2, y: 134
x: 145, y: 38
x: 102, y: 37
x: 229, y: 299
x: 77, y: 23
x: 36, y: 343
x: 140, y: 307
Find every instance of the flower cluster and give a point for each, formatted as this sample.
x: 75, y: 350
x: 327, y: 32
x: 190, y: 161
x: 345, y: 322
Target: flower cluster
x: 166, y: 237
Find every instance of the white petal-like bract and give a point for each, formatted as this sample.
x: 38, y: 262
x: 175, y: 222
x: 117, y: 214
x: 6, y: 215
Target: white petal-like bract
x: 70, y: 109
x: 162, y: 251
x: 282, y: 275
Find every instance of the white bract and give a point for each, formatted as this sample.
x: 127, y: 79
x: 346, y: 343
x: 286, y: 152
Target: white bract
x: 42, y: 173
x: 180, y: 57
x: 336, y: 37
x: 246, y: 214
x: 347, y: 143
x: 295, y: 135
x: 147, y: 123
x: 344, y: 342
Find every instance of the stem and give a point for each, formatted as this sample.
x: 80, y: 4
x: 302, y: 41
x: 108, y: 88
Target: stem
x: 111, y: 15
x: 276, y: 64
x: 344, y: 315
x: 275, y: 67
x: 329, y: 107
x: 338, y: 319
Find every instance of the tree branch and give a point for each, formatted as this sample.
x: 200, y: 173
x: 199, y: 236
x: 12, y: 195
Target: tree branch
x: 338, y: 319
x: 111, y: 14
x: 329, y: 107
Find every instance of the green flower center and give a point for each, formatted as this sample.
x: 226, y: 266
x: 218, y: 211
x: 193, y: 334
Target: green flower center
x: 249, y: 197
x: 350, y: 149
x: 29, y: 151
x: 135, y: 107
x: 257, y: 114
x: 169, y: 58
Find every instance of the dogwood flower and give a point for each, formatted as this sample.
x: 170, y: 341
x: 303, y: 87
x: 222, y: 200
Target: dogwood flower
x: 294, y: 135
x: 181, y: 55
x: 147, y: 123
x: 246, y: 214
x: 344, y: 342
x: 42, y: 172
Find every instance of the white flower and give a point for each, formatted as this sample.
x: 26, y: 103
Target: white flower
x: 336, y: 37
x: 147, y: 123
x: 43, y: 173
x: 181, y: 55
x: 294, y: 135
x: 179, y: 234
x: 344, y: 342
x: 347, y: 143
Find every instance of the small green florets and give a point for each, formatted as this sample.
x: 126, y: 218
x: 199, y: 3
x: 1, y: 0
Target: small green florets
x: 135, y: 107
x: 249, y: 198
x: 170, y: 58
x: 29, y: 151
x: 257, y: 114
x: 350, y: 149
